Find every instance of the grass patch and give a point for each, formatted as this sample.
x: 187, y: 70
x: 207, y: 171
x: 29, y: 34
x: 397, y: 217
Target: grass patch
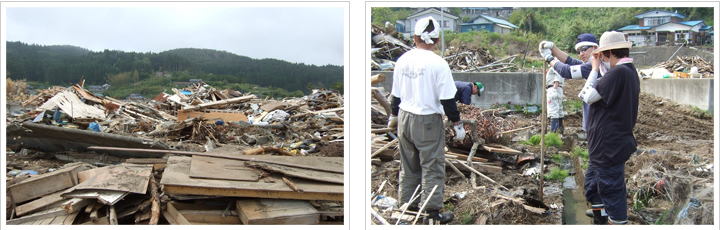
x: 573, y: 105
x: 551, y: 139
x: 449, y: 207
x: 556, y: 174
x: 466, y: 217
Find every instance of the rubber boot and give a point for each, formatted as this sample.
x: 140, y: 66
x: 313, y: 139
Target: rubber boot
x: 436, y: 216
x: 589, y: 213
x: 598, y: 218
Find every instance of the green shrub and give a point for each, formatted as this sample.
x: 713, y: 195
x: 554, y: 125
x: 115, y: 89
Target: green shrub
x: 557, y: 158
x: 556, y: 174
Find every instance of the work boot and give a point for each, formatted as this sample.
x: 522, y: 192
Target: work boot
x: 589, y: 213
x: 435, y: 216
x: 598, y: 218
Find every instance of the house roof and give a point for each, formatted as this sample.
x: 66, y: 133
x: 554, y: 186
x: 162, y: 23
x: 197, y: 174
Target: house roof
x: 706, y: 28
x: 654, y: 13
x: 635, y: 27
x: 429, y: 10
x: 493, y: 20
x: 691, y: 23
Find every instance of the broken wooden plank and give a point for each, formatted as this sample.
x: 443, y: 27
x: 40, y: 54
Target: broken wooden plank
x: 274, y: 105
x: 176, y: 180
x: 38, y: 216
x: 300, y: 172
x: 45, y: 184
x: 318, y: 112
x: 44, y: 202
x: 146, y: 161
x: 276, y: 212
x: 216, y: 103
x: 75, y: 205
x: 327, y: 164
x: 217, y: 168
x: 501, y: 149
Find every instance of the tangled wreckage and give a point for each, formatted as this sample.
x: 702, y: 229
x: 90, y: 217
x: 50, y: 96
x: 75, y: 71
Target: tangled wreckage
x: 197, y: 156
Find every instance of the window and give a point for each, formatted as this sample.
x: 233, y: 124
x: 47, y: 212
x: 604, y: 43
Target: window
x: 446, y: 24
x: 654, y: 21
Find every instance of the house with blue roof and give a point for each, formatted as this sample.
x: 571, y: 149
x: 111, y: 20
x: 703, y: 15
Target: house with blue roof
x: 484, y: 22
x: 658, y: 27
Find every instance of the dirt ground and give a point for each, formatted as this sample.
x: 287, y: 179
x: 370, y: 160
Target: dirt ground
x: 669, y: 180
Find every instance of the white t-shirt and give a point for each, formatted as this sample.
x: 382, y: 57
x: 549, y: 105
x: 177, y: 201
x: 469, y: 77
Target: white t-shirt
x: 421, y: 79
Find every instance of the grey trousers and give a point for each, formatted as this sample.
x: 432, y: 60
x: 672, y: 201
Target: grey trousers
x: 422, y: 157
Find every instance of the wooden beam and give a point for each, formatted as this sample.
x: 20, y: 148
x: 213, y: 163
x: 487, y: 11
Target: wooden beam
x: 175, y: 215
x: 319, y: 111
x: 146, y: 161
x: 382, y: 100
x: 235, y: 157
x: 464, y: 157
x: 216, y: 103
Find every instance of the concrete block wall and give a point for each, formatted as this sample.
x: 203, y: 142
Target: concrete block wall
x: 518, y: 88
x: 688, y: 91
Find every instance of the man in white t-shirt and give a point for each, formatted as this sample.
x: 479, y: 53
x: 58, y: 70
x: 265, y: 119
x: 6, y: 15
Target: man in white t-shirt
x: 423, y: 90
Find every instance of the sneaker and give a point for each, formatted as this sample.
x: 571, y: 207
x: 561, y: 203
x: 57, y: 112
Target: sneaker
x: 436, y: 216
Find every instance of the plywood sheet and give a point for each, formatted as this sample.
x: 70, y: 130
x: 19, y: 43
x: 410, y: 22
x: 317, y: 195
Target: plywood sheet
x: 217, y: 168
x: 276, y: 212
x: 124, y: 177
x: 176, y: 180
x: 103, y: 196
x: 45, y: 184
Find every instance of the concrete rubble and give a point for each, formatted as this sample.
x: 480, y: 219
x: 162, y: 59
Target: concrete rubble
x: 199, y: 155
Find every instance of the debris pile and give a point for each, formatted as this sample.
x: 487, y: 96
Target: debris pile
x: 16, y: 90
x: 387, y: 48
x: 464, y: 59
x: 198, y: 156
x: 686, y: 64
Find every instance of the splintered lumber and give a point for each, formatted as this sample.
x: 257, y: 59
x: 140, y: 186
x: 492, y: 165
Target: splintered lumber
x: 393, y: 142
x: 382, y: 100
x: 327, y: 164
x: 155, y: 209
x: 257, y: 151
x: 516, y: 130
x: 300, y: 172
x: 45, y: 184
x: 480, y: 167
x: 292, y: 185
x: 216, y: 103
x: 377, y: 78
x: 378, y: 217
x: 66, y: 219
x: 274, y: 105
x: 103, y: 196
x: 218, y: 168
x: 383, y: 130
x: 75, y: 205
x: 146, y: 161
x: 276, y: 212
x: 176, y: 180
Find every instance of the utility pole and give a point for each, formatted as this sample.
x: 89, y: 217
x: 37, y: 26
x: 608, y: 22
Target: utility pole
x: 442, y: 34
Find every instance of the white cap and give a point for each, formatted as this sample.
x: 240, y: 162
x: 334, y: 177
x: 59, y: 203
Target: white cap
x: 427, y: 36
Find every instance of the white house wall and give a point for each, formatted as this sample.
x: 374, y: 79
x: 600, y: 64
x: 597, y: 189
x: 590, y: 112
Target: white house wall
x: 411, y: 22
x: 671, y: 27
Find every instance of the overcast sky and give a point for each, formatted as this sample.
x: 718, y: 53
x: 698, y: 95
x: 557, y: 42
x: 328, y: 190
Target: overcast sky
x: 300, y: 34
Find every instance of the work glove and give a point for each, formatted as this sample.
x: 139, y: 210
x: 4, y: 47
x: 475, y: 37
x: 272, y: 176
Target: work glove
x: 392, y: 121
x: 548, y: 57
x: 459, y: 132
x: 545, y: 45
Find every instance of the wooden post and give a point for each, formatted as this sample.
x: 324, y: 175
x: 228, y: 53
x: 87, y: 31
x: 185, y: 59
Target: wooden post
x: 377, y: 79
x: 542, y: 133
x: 382, y: 100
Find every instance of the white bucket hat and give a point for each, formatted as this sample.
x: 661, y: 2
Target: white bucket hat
x: 611, y: 40
x: 420, y: 29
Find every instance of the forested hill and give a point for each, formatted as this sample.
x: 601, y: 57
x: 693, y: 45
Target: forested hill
x: 62, y: 65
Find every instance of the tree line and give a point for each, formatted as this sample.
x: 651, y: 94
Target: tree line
x: 63, y: 65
